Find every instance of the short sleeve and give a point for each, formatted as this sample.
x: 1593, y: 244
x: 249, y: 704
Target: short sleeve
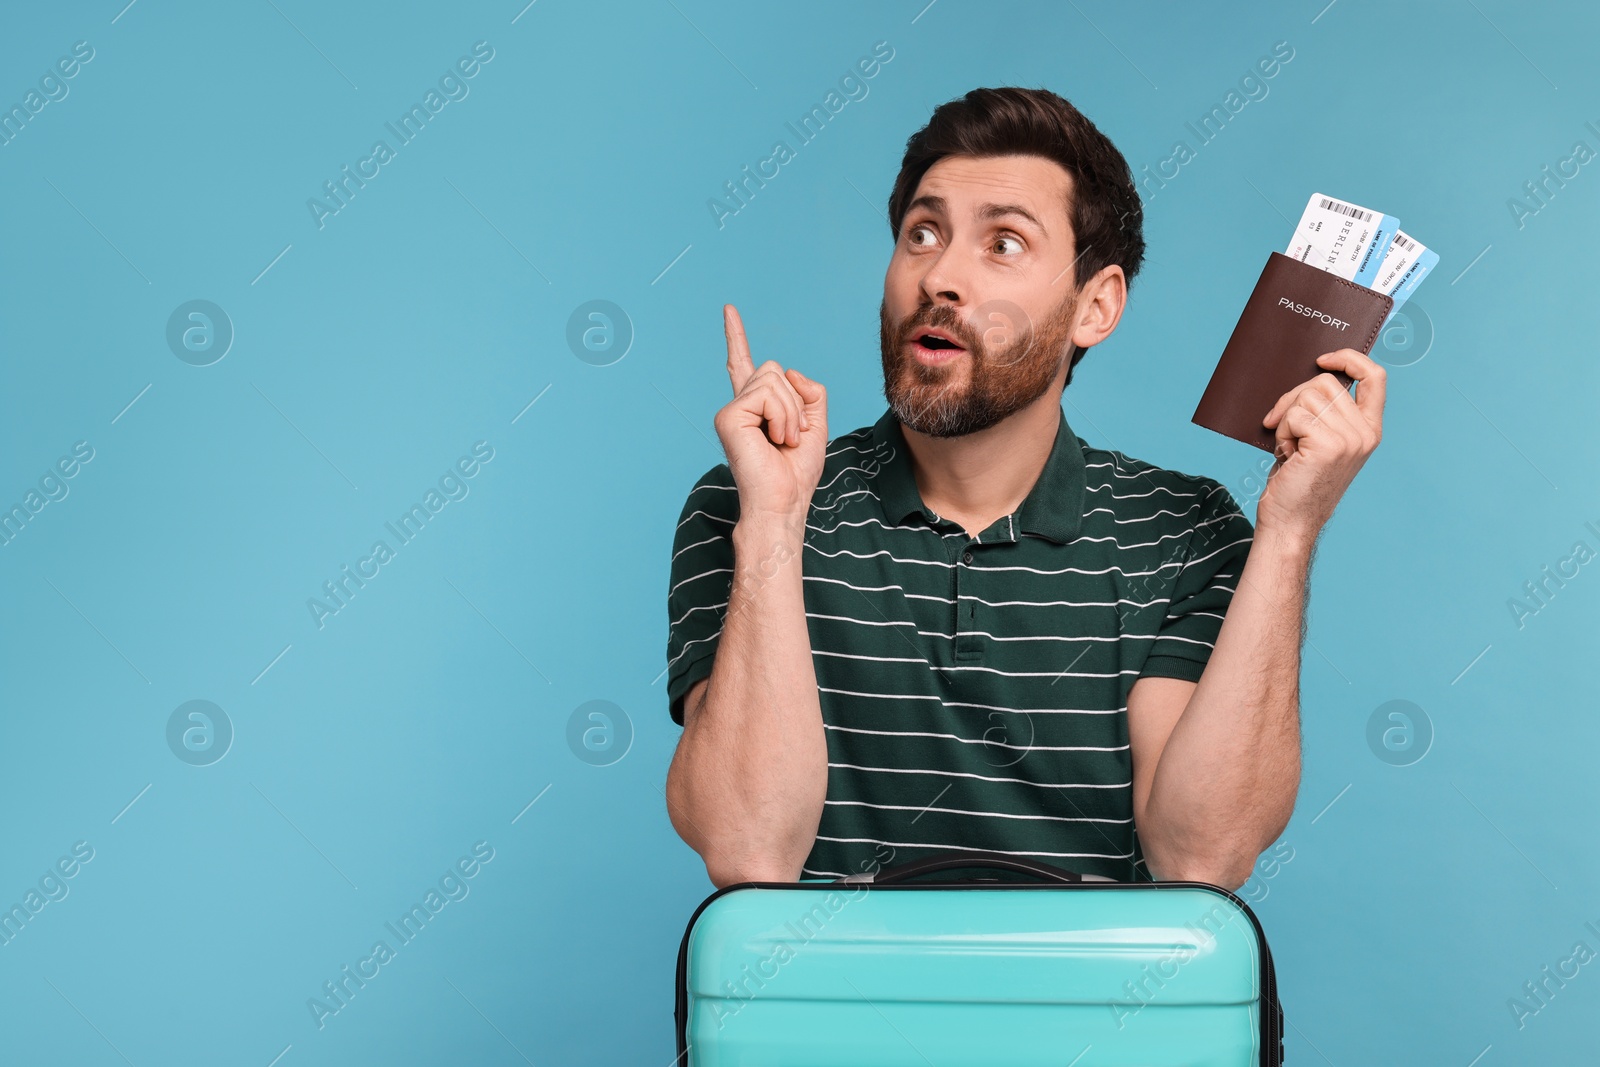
x: 1203, y: 587
x: 701, y: 574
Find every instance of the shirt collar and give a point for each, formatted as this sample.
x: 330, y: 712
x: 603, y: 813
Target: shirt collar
x: 1053, y: 508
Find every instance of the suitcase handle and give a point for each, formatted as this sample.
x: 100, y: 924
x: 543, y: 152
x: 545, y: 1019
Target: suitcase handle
x: 945, y: 861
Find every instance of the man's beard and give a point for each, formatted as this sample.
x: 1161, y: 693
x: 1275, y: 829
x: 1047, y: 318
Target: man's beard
x: 950, y: 401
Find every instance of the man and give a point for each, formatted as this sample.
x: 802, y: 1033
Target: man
x: 964, y: 628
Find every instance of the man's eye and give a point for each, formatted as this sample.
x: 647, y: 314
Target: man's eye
x: 911, y: 235
x: 1012, y: 240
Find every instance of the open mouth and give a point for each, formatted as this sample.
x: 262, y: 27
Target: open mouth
x: 934, y: 343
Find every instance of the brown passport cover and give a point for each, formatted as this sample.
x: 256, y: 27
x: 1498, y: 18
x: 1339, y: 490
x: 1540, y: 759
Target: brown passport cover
x: 1275, y: 345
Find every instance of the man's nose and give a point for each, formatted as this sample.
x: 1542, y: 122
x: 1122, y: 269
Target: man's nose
x: 945, y: 281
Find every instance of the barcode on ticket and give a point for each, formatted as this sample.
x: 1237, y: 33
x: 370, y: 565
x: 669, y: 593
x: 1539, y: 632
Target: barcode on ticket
x: 1346, y: 209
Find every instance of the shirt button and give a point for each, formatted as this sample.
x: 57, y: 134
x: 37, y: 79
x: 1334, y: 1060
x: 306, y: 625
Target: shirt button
x: 966, y: 557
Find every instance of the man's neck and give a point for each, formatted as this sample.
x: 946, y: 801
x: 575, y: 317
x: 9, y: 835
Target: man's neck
x: 979, y: 477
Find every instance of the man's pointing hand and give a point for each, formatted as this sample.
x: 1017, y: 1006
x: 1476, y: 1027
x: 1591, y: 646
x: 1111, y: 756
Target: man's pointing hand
x: 774, y: 431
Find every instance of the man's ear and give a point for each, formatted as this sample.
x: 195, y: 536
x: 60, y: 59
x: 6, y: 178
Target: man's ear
x: 1100, y: 305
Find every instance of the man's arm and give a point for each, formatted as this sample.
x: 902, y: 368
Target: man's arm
x: 1217, y: 763
x: 750, y: 774
x: 748, y: 779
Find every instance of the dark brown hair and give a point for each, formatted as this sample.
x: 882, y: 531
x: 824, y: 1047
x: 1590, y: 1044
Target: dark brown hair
x: 1107, y: 218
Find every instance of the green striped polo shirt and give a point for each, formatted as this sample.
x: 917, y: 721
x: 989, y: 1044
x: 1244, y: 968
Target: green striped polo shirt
x: 974, y: 690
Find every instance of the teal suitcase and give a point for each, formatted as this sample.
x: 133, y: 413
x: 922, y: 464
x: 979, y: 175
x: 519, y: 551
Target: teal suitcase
x: 1064, y: 971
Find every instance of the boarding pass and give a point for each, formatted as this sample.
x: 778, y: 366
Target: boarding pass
x: 1361, y: 245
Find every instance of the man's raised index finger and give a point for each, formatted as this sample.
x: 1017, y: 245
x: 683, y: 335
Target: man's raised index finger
x: 740, y: 365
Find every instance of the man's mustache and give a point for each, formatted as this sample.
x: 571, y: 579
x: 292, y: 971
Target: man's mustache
x: 942, y: 318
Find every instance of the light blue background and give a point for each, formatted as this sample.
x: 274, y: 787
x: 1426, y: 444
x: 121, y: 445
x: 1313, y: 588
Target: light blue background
x: 427, y: 315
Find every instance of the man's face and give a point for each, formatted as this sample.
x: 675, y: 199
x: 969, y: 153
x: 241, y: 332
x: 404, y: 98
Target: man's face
x: 985, y: 255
